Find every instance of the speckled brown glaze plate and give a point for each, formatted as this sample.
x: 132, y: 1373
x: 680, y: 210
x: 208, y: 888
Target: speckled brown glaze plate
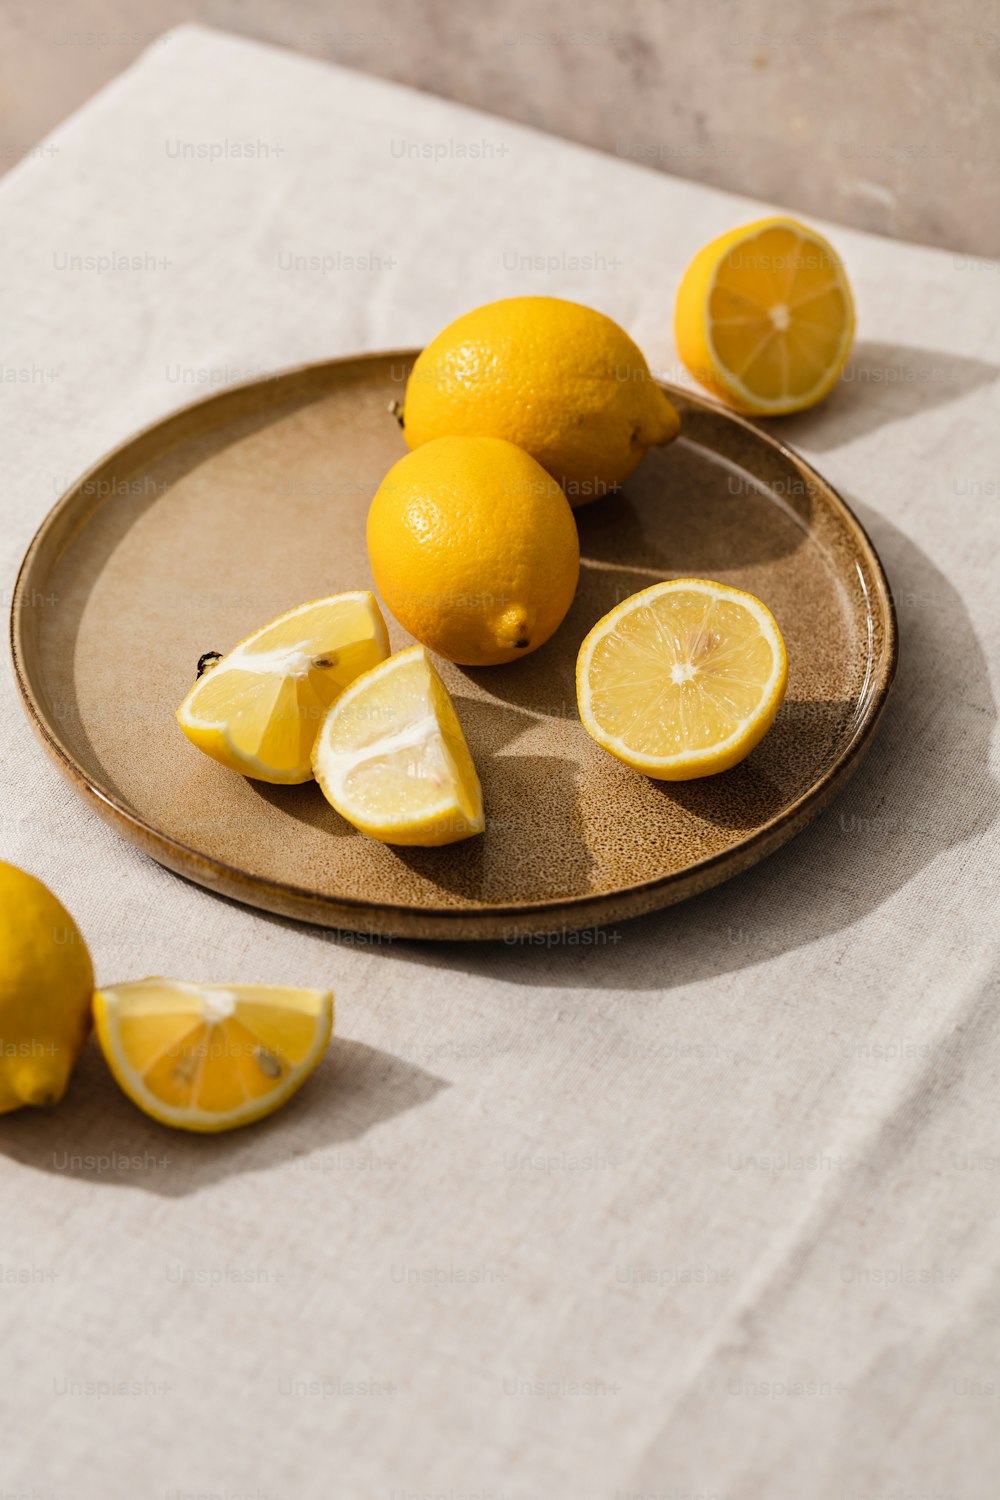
x: 235, y: 509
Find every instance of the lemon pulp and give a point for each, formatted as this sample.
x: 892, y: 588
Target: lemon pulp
x: 392, y: 759
x: 765, y: 317
x: 682, y: 679
x: 259, y: 709
x: 208, y: 1057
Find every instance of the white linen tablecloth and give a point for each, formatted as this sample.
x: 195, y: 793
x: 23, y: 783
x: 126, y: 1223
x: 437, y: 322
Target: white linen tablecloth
x: 705, y: 1207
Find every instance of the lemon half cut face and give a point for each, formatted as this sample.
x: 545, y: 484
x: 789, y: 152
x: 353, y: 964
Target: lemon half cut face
x: 765, y: 318
x: 682, y: 679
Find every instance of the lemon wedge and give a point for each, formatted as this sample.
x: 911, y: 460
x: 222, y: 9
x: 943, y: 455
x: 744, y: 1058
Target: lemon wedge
x: 765, y: 318
x: 392, y: 759
x: 209, y: 1057
x: 682, y: 679
x: 259, y: 709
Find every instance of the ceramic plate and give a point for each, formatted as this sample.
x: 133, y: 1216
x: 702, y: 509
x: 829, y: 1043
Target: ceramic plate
x: 253, y: 500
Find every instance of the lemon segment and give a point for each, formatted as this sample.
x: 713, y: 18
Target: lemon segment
x: 764, y: 317
x: 259, y: 709
x: 392, y: 759
x: 209, y: 1057
x: 562, y: 381
x: 682, y: 679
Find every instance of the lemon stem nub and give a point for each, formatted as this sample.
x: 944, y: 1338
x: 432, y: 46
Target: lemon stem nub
x: 514, y: 627
x: 206, y: 660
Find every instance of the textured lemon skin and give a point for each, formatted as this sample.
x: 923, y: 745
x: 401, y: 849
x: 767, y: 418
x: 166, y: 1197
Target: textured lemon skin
x: 201, y: 1124
x: 562, y: 381
x: 474, y: 549
x: 46, y: 986
x: 691, y: 323
x: 708, y: 763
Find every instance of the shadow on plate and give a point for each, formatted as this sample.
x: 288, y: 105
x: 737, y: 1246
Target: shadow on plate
x: 683, y: 513
x: 549, y: 854
x: 688, y: 511
x: 304, y: 802
x: 804, y: 735
x: 924, y: 787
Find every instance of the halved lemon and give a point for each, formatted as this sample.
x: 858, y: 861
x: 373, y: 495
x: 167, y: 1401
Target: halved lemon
x: 259, y: 709
x: 765, y: 318
x: 682, y: 679
x: 209, y: 1057
x: 392, y: 759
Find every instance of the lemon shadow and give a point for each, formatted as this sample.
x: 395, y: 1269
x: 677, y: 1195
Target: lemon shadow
x: 304, y: 803
x: 882, y: 384
x: 716, y: 499
x: 806, y: 733
x: 97, y: 1136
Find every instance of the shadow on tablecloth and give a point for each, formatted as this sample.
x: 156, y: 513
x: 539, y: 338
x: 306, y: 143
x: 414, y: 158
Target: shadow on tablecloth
x: 881, y: 384
x: 96, y: 1136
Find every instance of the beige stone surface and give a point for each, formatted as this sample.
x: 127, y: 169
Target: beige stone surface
x: 886, y: 117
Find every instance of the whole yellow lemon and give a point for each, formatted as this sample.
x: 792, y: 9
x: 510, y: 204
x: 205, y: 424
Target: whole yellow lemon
x: 764, y: 317
x: 46, y: 986
x: 474, y: 549
x: 562, y: 381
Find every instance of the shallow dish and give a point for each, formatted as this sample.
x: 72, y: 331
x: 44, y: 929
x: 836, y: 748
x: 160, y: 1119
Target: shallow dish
x: 231, y: 511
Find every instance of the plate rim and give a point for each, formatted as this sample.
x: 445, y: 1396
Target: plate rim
x: 703, y: 873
